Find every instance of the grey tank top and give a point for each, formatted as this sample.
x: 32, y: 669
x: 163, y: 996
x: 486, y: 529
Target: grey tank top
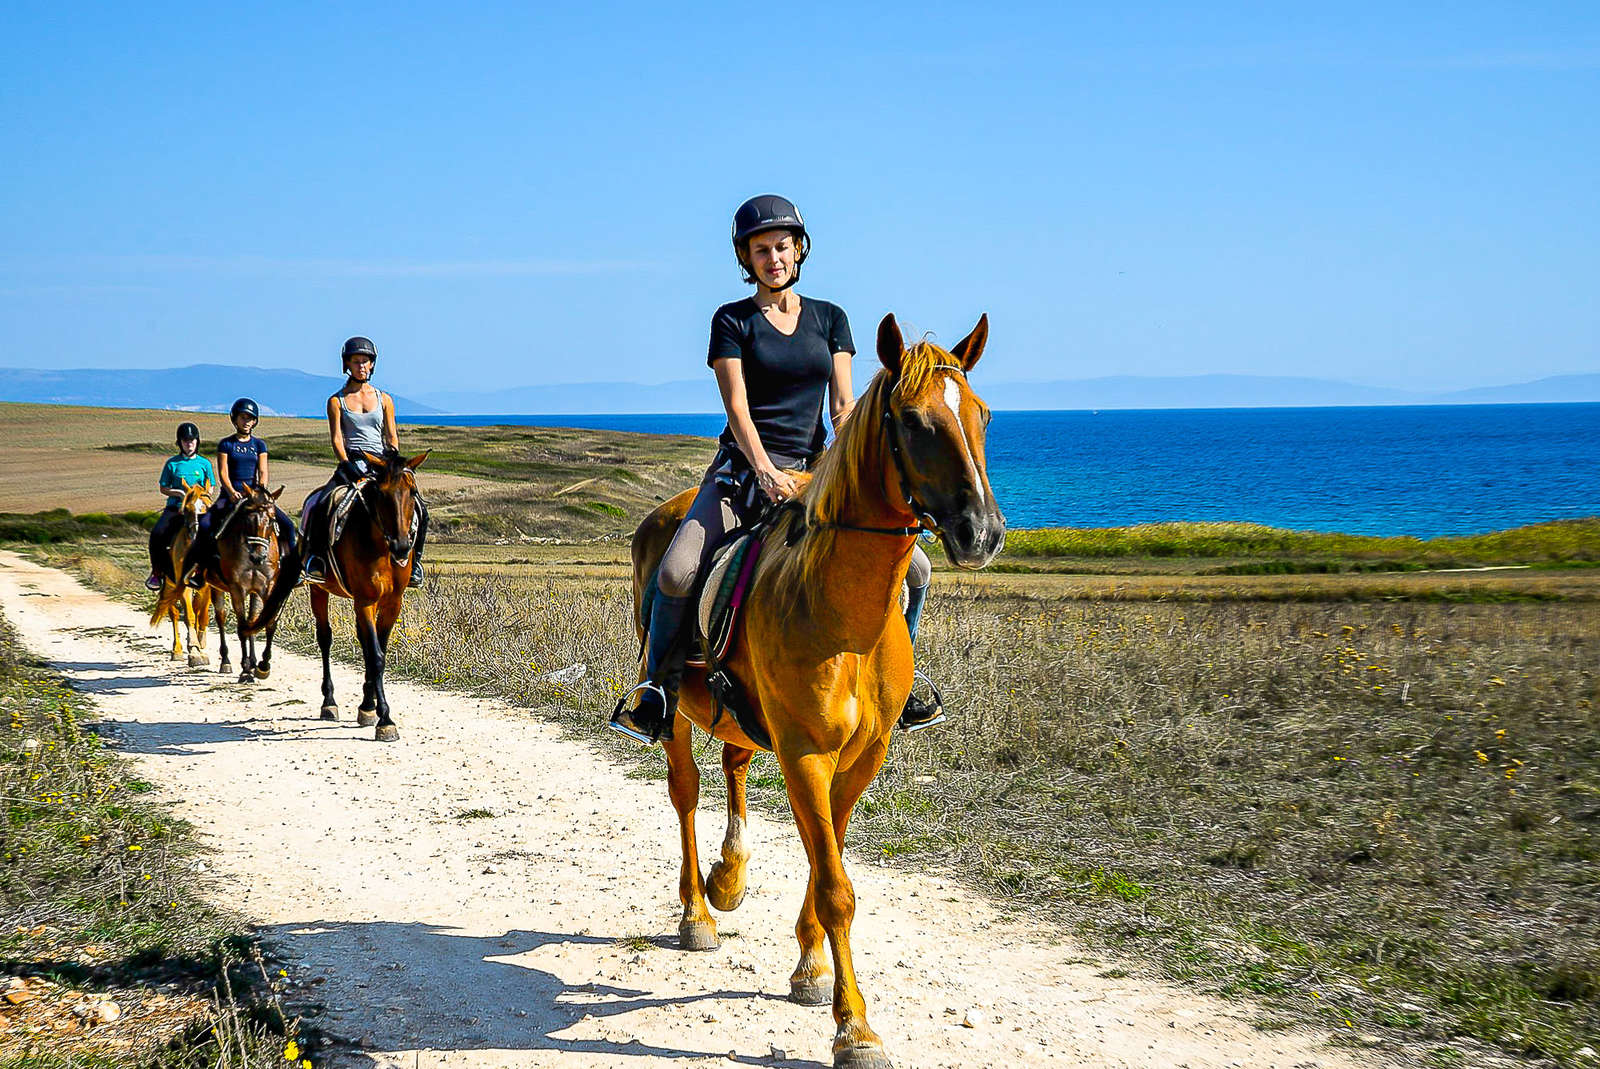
x: 363, y: 431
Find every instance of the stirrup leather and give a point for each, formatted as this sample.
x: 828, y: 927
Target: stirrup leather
x: 621, y: 707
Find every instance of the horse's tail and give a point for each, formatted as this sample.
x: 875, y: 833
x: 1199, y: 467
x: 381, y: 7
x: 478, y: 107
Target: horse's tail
x: 165, y: 604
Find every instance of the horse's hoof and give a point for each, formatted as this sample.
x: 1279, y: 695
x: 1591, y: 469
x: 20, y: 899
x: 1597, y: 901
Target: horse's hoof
x: 723, y: 899
x: 247, y: 676
x: 815, y: 992
x: 365, y: 718
x: 330, y: 711
x: 224, y: 669
x: 387, y: 733
x: 263, y: 671
x: 198, y: 660
x: 176, y: 656
x: 861, y: 1058
x: 698, y: 935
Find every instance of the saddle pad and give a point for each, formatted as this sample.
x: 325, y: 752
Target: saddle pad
x: 727, y: 581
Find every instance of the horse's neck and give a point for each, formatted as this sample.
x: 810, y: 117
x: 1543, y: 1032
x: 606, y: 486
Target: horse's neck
x: 862, y: 576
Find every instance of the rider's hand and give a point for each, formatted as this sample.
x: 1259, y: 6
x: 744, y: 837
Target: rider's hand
x: 777, y: 485
x: 235, y: 495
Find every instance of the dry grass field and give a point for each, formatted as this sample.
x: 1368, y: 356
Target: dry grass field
x: 1358, y: 779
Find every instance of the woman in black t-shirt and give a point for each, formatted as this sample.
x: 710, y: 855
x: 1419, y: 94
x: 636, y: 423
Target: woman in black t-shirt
x: 777, y: 357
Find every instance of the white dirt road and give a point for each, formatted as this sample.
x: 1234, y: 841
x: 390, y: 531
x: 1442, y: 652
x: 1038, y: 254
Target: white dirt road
x: 505, y: 941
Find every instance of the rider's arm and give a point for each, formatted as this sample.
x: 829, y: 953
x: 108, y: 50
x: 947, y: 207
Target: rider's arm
x: 262, y: 478
x: 335, y: 435
x: 391, y: 433
x: 841, y: 400
x: 730, y: 380
x: 170, y: 486
x: 222, y: 470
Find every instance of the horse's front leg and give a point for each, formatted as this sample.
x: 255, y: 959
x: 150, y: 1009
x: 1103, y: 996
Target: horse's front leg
x: 832, y: 900
x: 177, y: 622
x: 696, y: 928
x: 264, y: 665
x: 247, y: 645
x: 319, y: 612
x: 367, y: 636
x: 194, y: 622
x: 725, y: 884
x: 375, y: 643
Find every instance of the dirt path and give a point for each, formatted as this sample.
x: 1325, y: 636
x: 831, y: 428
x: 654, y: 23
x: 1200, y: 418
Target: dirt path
x: 505, y: 940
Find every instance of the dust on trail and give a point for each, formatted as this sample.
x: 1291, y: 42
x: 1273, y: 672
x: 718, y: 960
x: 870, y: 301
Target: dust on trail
x: 543, y: 935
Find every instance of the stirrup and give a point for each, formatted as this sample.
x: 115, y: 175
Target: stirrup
x: 622, y: 720
x: 312, y: 571
x: 919, y: 714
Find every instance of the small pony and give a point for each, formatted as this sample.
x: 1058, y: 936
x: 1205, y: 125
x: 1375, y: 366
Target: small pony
x: 195, y: 604
x: 823, y: 654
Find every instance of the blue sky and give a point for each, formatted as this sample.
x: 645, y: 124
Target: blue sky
x: 501, y: 195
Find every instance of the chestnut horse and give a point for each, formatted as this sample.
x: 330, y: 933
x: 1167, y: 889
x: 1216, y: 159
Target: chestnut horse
x: 188, y: 609
x: 256, y: 574
x: 823, y: 654
x: 371, y: 565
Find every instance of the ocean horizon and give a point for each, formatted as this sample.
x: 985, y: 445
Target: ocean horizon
x: 1419, y: 470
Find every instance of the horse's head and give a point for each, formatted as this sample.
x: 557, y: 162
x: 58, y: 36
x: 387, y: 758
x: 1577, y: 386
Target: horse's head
x: 196, y: 500
x: 392, y: 499
x: 258, y: 519
x: 935, y: 425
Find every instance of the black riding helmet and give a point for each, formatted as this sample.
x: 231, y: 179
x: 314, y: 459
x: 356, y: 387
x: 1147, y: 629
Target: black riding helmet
x: 769, y: 212
x: 188, y: 432
x: 246, y: 406
x: 359, y: 346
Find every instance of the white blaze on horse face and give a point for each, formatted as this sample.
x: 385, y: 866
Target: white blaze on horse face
x: 952, y: 401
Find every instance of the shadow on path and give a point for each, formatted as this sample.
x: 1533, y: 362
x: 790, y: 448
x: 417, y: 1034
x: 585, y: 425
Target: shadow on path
x: 409, y: 986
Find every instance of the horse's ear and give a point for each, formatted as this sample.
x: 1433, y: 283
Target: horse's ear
x: 276, y: 492
x: 890, y: 344
x: 372, y: 461
x: 968, y: 349
x: 185, y: 484
x: 416, y: 462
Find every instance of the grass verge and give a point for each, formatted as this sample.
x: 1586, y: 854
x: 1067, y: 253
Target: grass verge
x: 110, y: 955
x: 1380, y: 815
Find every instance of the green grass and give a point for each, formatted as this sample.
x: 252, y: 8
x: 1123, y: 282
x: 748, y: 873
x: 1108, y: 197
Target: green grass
x: 1253, y: 545
x: 97, y: 894
x: 59, y: 525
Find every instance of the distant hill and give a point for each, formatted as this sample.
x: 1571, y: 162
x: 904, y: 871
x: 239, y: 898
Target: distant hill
x: 212, y: 388
x: 197, y: 388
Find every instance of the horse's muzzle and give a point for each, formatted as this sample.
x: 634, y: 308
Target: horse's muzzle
x: 399, y: 550
x: 975, y: 536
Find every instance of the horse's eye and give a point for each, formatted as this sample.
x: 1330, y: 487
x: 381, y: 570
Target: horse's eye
x: 916, y: 421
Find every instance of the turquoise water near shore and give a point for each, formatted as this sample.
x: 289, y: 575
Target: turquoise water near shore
x: 1405, y: 470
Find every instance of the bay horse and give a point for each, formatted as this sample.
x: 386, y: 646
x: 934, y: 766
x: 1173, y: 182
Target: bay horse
x: 188, y: 609
x: 256, y: 575
x: 370, y: 564
x: 823, y: 654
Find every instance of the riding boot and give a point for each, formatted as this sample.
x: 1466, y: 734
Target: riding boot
x: 919, y: 714
x: 196, y: 559
x: 650, y: 719
x: 416, y: 549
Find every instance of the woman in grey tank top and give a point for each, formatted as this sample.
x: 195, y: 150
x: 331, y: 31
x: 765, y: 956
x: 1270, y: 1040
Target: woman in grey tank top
x: 360, y: 420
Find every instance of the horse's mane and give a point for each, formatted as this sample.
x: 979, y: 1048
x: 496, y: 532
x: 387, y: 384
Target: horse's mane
x: 841, y: 476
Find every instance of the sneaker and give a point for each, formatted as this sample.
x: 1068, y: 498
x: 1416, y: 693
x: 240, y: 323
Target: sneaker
x: 919, y: 714
x: 649, y: 721
x: 153, y: 583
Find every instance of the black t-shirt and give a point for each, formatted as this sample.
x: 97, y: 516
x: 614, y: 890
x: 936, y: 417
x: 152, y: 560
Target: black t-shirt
x: 785, y: 376
x: 243, y: 459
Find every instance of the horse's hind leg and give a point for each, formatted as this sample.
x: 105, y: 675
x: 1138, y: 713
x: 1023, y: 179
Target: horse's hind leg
x: 725, y: 884
x: 696, y: 929
x: 176, y: 618
x: 219, y: 608
x: 319, y: 611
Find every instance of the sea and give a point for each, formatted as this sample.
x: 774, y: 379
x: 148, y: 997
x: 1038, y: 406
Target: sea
x: 1424, y: 471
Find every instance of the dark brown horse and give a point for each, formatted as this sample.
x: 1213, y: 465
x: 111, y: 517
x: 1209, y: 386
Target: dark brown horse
x: 256, y: 575
x: 370, y: 564
x: 823, y: 654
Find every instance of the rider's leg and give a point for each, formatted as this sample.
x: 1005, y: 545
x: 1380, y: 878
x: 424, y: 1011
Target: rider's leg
x: 314, y: 525
x: 709, y: 519
x: 201, y: 550
x: 422, y: 538
x: 161, y: 546
x: 918, y: 713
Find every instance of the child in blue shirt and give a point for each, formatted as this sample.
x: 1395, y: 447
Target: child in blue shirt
x: 187, y: 467
x: 242, y: 463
